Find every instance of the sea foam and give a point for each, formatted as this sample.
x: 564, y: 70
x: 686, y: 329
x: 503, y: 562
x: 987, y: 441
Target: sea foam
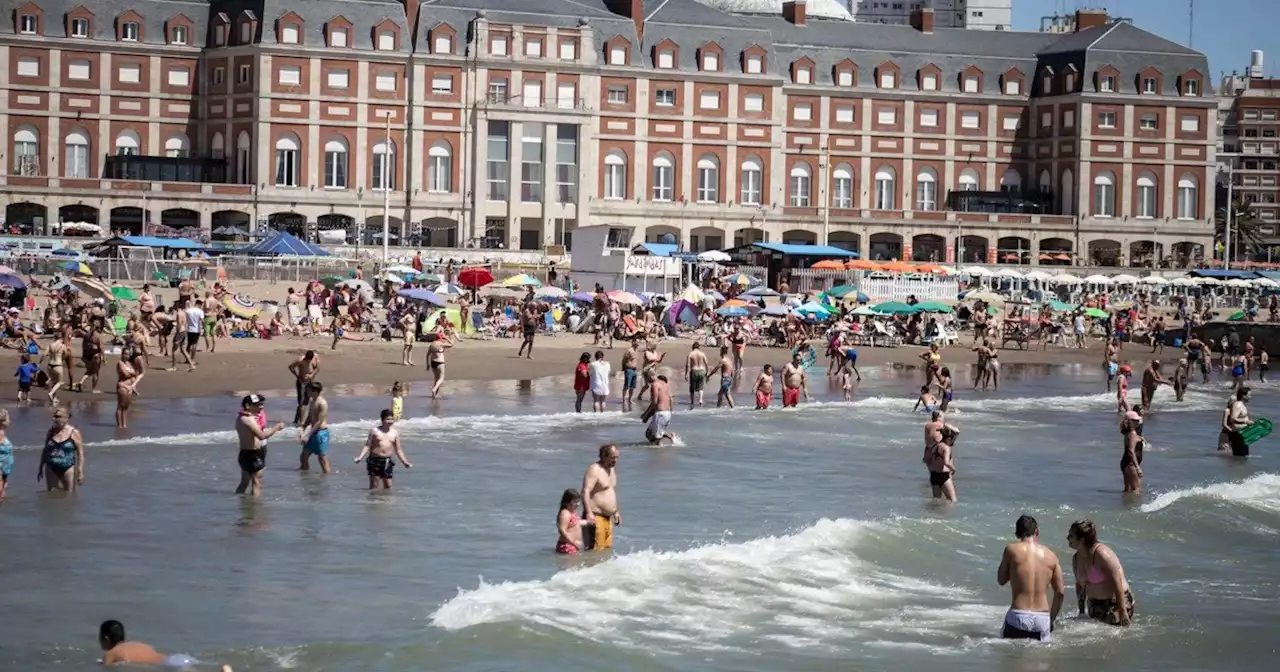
x: 1260, y: 492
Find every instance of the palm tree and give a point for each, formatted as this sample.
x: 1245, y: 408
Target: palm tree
x: 1245, y: 229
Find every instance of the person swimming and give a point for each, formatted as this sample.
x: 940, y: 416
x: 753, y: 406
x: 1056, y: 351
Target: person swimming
x: 122, y: 651
x: 925, y: 403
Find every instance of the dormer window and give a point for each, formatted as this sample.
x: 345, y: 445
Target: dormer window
x: 1191, y: 87
x: 178, y: 35
x: 1107, y: 84
x: 754, y: 64
x: 386, y: 41
x: 929, y: 82
x: 28, y: 24
x: 618, y: 54
x: 844, y: 78
x: 129, y: 31
x: 888, y: 79
x: 710, y: 61
x: 1046, y: 85
x: 1012, y: 87
x: 804, y: 75
x: 246, y: 33
x: 338, y: 37
x: 289, y: 34
x: 443, y: 44
x: 666, y: 59
x: 79, y: 27
x: 1149, y: 86
x: 971, y: 84
x: 219, y: 36
x: 1070, y: 82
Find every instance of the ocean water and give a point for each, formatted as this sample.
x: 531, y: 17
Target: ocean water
x: 779, y: 540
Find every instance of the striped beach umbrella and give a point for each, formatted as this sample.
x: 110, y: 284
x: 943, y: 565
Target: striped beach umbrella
x: 241, y: 305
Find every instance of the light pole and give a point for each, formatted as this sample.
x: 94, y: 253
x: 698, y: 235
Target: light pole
x: 1231, y: 210
x: 387, y: 158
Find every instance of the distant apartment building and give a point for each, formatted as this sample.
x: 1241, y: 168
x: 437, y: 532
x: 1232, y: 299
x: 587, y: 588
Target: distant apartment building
x: 1249, y: 142
x: 972, y: 14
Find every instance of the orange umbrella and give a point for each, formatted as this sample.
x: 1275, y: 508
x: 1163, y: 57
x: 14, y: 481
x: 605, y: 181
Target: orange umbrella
x: 828, y: 265
x: 862, y: 265
x: 898, y: 267
x: 929, y: 268
x: 735, y: 303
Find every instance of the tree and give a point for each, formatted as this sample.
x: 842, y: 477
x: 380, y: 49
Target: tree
x: 1246, y: 228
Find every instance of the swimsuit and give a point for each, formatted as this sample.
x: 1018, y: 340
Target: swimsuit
x: 379, y: 467
x: 567, y: 547
x: 252, y: 461
x: 397, y: 406
x: 726, y: 382
x: 6, y: 458
x: 697, y: 380
x: 1020, y: 624
x: 60, y: 455
x: 1108, y: 610
x: 1126, y: 461
x: 629, y: 378
x: 790, y: 396
x: 927, y: 409
x: 600, y: 536
x: 763, y: 398
x: 658, y: 423
x: 318, y: 442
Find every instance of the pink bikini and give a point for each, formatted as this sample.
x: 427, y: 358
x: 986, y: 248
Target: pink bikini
x: 564, y: 546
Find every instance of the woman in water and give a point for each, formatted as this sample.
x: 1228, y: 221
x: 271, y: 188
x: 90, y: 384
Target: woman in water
x: 1131, y: 462
x: 1101, y: 586
x: 6, y: 452
x: 62, y: 462
x: 569, y: 524
x: 581, y: 380
x: 126, y: 377
x: 944, y: 388
x: 925, y: 401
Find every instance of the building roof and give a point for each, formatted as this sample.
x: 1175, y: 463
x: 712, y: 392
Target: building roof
x: 154, y: 13
x: 363, y: 15
x: 155, y: 241
x: 805, y: 250
x: 658, y: 249
x: 1222, y: 274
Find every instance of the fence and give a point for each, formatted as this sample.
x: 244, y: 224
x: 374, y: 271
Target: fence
x: 898, y: 288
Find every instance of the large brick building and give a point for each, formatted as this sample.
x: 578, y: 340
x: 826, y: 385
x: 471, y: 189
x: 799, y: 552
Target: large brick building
x: 513, y: 121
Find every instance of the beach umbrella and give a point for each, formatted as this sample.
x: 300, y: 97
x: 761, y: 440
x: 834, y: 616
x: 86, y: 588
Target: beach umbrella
x: 522, y: 280
x: 1153, y: 280
x: 715, y: 295
x: 79, y: 268
x: 814, y: 309
x: 554, y: 293
x: 1038, y: 275
x: 388, y: 276
x: 1124, y: 279
x: 65, y: 252
x: 449, y: 289
x: 583, y: 297
x: 776, y: 310
x: 422, y: 295
x: 976, y: 271
x: 357, y: 285
x: 1094, y: 312
x: 896, y: 308
x: 897, y: 267
x: 11, y: 280
x: 857, y: 297
x: 713, y: 255
x: 1239, y: 283
x: 985, y: 297
x: 1236, y: 316
x: 331, y: 281
x: 124, y: 294
x: 1059, y: 306
x: 1264, y: 282
x: 402, y: 269
x: 625, y: 297
x: 1097, y: 279
x: 681, y: 311
x: 866, y: 310
x: 1008, y: 273
x: 741, y: 279
x: 241, y: 305
x: 1208, y: 281
x: 760, y: 290
x: 933, y: 307
x: 738, y: 302
x: 840, y: 291
x: 931, y: 268
x: 733, y: 311
x: 993, y: 310
x: 5, y: 270
x: 474, y: 278
x: 1066, y: 279
x: 93, y: 287
x: 862, y: 265
x: 1182, y: 282
x: 828, y: 265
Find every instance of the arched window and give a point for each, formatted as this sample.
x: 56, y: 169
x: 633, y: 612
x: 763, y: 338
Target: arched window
x: 752, y: 176
x: 176, y: 146
x: 1146, y: 205
x: 663, y: 177
x: 708, y: 179
x: 218, y: 147
x: 76, y: 164
x: 800, y: 183
x: 128, y: 144
x: 1046, y: 182
x: 335, y: 164
x: 243, y: 158
x: 287, y: 155
x: 1188, y: 197
x: 1104, y: 194
x: 968, y: 180
x: 440, y: 168
x: 842, y: 187
x: 384, y: 166
x: 886, y: 188
x: 615, y: 176
x: 1011, y: 181
x: 927, y: 190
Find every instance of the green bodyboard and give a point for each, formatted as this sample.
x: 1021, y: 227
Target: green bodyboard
x: 1258, y: 430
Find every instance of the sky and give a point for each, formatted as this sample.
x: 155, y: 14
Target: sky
x: 1225, y: 30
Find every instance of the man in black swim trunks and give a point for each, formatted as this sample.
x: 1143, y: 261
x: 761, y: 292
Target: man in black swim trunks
x: 251, y: 434
x: 383, y: 442
x: 304, y: 371
x: 530, y: 318
x: 938, y: 439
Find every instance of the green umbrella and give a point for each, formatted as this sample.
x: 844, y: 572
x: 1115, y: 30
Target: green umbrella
x: 839, y: 291
x: 1059, y: 306
x: 1094, y: 312
x: 123, y: 294
x: 933, y: 307
x: 896, y: 308
x: 1236, y: 316
x: 332, y: 281
x: 993, y: 310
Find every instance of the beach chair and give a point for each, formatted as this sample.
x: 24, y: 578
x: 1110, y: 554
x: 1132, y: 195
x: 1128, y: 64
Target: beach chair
x: 481, y: 329
x: 887, y: 338
x: 549, y: 323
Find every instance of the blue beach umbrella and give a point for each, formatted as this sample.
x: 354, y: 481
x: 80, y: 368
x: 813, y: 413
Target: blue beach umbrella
x: 449, y: 289
x: 760, y: 290
x: 422, y: 295
x: 813, y: 309
x: 583, y: 297
x: 777, y: 311
x: 733, y: 311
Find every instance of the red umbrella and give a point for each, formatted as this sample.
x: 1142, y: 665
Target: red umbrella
x: 474, y: 278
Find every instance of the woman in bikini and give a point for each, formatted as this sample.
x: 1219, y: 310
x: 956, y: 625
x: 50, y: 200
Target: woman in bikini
x: 57, y: 357
x: 1131, y: 461
x: 126, y: 378
x: 1101, y: 586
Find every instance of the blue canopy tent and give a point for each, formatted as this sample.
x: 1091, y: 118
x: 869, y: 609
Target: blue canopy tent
x: 284, y: 244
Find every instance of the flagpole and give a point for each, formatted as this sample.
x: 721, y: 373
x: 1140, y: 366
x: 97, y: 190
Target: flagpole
x: 387, y: 157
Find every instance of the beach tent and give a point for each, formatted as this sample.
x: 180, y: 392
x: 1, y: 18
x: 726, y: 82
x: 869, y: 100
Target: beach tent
x: 681, y: 310
x: 284, y: 244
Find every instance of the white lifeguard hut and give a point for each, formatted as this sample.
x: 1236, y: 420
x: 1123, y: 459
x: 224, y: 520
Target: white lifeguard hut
x: 604, y: 254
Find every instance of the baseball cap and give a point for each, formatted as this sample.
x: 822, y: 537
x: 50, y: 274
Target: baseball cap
x: 252, y: 400
x: 1126, y: 369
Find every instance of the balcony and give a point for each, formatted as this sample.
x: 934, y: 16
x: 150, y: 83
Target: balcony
x: 498, y: 101
x: 1001, y: 202
x: 165, y: 169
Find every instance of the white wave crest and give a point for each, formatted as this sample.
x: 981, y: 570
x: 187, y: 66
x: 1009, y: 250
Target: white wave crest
x: 1259, y: 492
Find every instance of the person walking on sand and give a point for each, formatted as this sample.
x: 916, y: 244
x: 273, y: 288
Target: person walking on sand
x: 195, y: 326
x: 435, y: 360
x: 1028, y: 568
x: 600, y: 500
x: 62, y: 461
x: 380, y: 446
x: 304, y: 371
x: 209, y: 321
x: 530, y: 316
x: 93, y: 356
x: 252, y: 438
x: 695, y: 371
x: 725, y: 396
x: 599, y: 371
x: 407, y: 329
x: 314, y: 434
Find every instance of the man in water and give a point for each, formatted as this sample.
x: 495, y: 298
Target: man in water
x: 695, y: 371
x: 314, y: 434
x: 1030, y: 567
x: 1235, y: 418
x: 600, y: 500
x: 725, y: 367
x: 253, y: 452
x: 764, y: 388
x: 1109, y: 362
x: 1197, y: 358
x: 383, y: 442
x: 794, y: 382
x: 652, y: 358
x: 937, y: 456
x: 658, y: 414
x: 1151, y: 379
x: 629, y: 359
x: 304, y: 370
x: 120, y: 651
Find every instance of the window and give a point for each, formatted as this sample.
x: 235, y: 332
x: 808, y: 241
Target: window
x: 498, y: 45
x: 219, y: 75
x: 800, y: 183
x: 179, y: 35
x: 1188, y: 198
x: 1069, y: 82
x: 885, y: 187
x: 568, y: 50
x: 1106, y: 120
x: 439, y: 168
x: 290, y: 75
x: 1149, y: 85
x: 497, y: 88
x: 443, y: 44
x: 802, y: 112
x: 663, y: 177
x: 497, y: 166
x: 844, y: 114
x: 709, y: 100
x: 1146, y: 196
x: 844, y: 78
x: 751, y: 176
x: 1011, y: 181
x: 566, y: 163
x: 615, y: 176
x: 338, y: 79
x: 708, y: 179
x: 129, y: 31
x: 128, y: 144
x: 804, y: 75
x: 842, y: 187
x: 179, y: 77
x: 219, y: 36
x: 1046, y: 119
x: 1192, y: 87
x: 666, y: 97
x: 1069, y: 119
x: 887, y: 116
x: 244, y: 73
x: 289, y: 34
x: 617, y: 95
x: 711, y: 62
x: 28, y: 66
x: 1107, y: 84
x: 928, y: 82
x: 1012, y: 87
x: 1104, y: 195
x: 531, y: 162
x: 243, y: 158
x: 246, y: 33
x: 753, y: 102
x: 617, y: 55
x: 968, y: 180
x: 26, y: 151
x: 287, y: 161
x: 338, y: 37
x: 927, y: 190
x: 970, y: 84
x: 1046, y: 182
x: 533, y: 47
x: 80, y: 28
x: 335, y: 164
x: 1011, y: 122
x: 929, y: 117
x: 888, y: 80
x: 755, y: 64
x: 566, y: 95
x: 76, y: 164
x: 130, y: 74
x: 27, y: 24
x: 1190, y: 124
x: 532, y: 95
x: 78, y: 70
x: 385, y: 81
x: 444, y: 84
x: 1046, y: 85
x: 1149, y: 122
x: 666, y: 59
x: 384, y: 166
x: 970, y: 119
x: 386, y: 41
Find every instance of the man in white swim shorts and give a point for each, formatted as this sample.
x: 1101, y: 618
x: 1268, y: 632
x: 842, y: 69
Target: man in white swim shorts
x: 1030, y: 567
x: 658, y: 414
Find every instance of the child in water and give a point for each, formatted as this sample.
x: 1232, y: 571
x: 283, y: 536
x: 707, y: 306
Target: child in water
x: 397, y: 399
x: 846, y: 380
x: 1122, y: 389
x: 569, y: 524
x: 926, y: 402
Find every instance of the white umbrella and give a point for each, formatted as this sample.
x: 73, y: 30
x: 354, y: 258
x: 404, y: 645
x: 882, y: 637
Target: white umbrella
x: 1066, y: 279
x: 1183, y: 282
x: 1008, y: 273
x: 1124, y: 279
x: 1208, y: 281
x: 713, y: 255
x: 550, y: 293
x: 1265, y: 282
x: 1152, y: 280
x: 1098, y: 280
x: 976, y: 271
x: 357, y: 285
x: 392, y: 278
x: 1038, y: 275
x: 985, y: 297
x: 1238, y: 282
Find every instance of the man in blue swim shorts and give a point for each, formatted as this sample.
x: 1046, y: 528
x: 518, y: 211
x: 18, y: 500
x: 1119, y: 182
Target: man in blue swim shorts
x: 315, y: 430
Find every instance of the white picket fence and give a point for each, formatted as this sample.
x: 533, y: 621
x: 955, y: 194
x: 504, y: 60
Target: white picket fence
x: 899, y: 288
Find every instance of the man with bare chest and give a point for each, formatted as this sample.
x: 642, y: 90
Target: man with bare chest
x: 600, y: 500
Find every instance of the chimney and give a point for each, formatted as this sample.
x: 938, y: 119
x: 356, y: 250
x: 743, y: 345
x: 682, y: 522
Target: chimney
x: 631, y: 9
x: 1090, y: 18
x: 922, y: 20
x: 794, y: 11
